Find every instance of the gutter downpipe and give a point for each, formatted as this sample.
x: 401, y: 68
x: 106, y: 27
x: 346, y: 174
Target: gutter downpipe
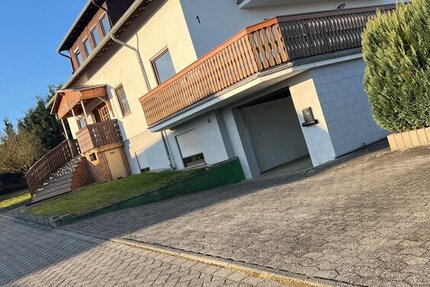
x: 118, y: 41
x: 145, y: 77
x: 66, y: 56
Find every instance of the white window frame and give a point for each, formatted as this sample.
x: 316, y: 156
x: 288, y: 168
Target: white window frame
x: 101, y: 24
x: 192, y: 159
x: 95, y: 45
x: 77, y: 58
x: 87, y: 53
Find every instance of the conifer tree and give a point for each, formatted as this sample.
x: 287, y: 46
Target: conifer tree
x: 396, y: 48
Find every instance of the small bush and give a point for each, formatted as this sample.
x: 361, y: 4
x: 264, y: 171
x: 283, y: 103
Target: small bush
x: 10, y: 183
x: 396, y: 47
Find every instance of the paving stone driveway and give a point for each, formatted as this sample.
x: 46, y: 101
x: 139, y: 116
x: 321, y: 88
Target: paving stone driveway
x: 363, y: 221
x: 37, y: 256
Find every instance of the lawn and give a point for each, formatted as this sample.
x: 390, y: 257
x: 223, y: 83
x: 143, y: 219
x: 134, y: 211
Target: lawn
x: 102, y: 195
x: 9, y: 200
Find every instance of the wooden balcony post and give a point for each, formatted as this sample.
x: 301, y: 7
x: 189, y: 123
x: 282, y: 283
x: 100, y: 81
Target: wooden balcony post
x: 85, y: 112
x: 66, y: 134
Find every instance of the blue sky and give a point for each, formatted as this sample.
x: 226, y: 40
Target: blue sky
x: 31, y: 32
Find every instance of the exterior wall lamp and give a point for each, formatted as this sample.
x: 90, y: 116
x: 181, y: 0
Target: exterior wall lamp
x: 309, y: 118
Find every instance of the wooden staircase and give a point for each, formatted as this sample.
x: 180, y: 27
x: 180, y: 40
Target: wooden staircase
x: 52, y: 174
x: 63, y: 169
x: 58, y: 183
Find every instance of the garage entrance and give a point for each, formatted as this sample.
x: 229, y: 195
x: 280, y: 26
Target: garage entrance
x: 274, y: 131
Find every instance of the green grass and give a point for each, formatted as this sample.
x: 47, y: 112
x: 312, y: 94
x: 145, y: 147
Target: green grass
x: 102, y: 195
x: 9, y: 200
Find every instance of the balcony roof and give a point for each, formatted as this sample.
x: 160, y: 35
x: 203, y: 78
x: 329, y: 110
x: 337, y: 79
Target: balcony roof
x: 79, y: 25
x: 67, y: 100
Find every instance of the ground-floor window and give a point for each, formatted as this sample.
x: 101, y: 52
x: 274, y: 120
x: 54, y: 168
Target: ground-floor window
x: 190, y: 149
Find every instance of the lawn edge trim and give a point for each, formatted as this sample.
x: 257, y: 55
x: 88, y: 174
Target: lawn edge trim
x: 16, y: 205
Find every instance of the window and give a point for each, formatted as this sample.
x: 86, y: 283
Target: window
x: 95, y: 35
x: 163, y: 66
x: 190, y: 149
x: 88, y: 47
x: 122, y: 99
x: 81, y: 122
x: 104, y: 22
x: 78, y: 57
x: 142, y: 161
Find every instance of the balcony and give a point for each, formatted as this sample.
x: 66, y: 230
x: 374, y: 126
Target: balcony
x: 99, y: 135
x: 255, y: 49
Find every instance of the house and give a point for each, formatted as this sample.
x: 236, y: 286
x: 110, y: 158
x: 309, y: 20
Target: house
x: 161, y: 84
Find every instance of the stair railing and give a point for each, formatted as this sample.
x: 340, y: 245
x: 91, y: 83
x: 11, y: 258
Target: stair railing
x: 50, y: 163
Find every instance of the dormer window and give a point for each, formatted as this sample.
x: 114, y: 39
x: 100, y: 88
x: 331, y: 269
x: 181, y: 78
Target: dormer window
x: 88, y: 47
x: 78, y: 57
x: 95, y: 35
x: 104, y: 23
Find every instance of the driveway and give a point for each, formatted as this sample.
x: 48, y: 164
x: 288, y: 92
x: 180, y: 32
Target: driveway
x: 364, y: 220
x: 31, y: 255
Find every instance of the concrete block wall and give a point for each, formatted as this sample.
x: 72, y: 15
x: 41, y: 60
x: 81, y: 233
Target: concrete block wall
x: 345, y: 105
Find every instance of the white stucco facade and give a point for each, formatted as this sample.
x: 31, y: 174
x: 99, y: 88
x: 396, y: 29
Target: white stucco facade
x: 221, y: 19
x: 189, y: 29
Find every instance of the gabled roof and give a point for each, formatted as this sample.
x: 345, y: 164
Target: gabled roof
x: 80, y: 23
x: 132, y: 13
x: 66, y: 100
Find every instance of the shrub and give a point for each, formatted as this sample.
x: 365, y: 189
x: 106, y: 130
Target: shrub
x: 396, y: 48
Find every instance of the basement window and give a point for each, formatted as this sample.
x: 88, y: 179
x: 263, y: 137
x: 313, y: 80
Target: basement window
x: 163, y: 66
x: 190, y: 149
x: 93, y: 157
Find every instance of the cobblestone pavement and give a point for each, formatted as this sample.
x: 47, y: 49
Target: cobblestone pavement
x: 35, y: 256
x: 363, y: 221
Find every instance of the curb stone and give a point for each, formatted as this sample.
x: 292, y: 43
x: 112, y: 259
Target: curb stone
x: 285, y: 278
x: 288, y: 279
x: 42, y: 220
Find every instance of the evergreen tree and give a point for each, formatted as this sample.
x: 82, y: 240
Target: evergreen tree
x: 396, y: 48
x: 19, y: 149
x: 42, y: 124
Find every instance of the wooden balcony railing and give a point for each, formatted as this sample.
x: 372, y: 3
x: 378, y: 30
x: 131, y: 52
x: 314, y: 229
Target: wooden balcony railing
x: 255, y: 49
x: 98, y: 135
x: 49, y: 164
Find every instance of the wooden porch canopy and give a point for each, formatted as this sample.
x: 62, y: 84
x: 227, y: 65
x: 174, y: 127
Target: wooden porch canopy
x: 70, y: 102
